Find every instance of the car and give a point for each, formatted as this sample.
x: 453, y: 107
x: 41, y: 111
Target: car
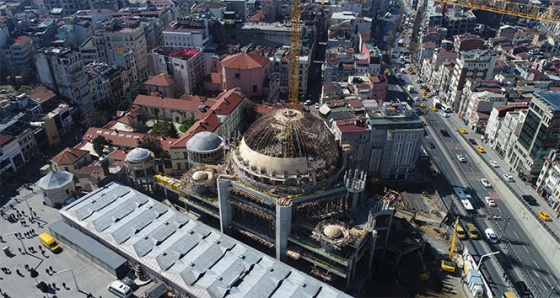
x: 444, y: 115
x: 431, y: 145
x: 485, y: 182
x: 422, y: 105
x: 412, y: 73
x: 529, y: 199
x: 480, y: 149
x: 307, y: 102
x: 523, y: 290
x: 444, y: 133
x: 427, y: 95
x: 490, y: 202
x: 461, y: 158
x: 463, y: 130
x: 473, y: 231
x: 316, y: 105
x: 433, y: 108
x: 492, y: 237
x: 449, y: 110
x: 416, y: 98
x: 508, y: 177
x: 473, y: 142
x: 494, y: 164
x: 544, y: 215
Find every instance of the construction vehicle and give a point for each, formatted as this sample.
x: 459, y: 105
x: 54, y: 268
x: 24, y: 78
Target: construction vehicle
x: 425, y: 275
x: 529, y: 11
x: 295, y: 50
x: 449, y: 264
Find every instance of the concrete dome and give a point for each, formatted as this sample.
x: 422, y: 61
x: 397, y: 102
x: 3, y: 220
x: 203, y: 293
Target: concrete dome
x: 289, y: 142
x: 55, y: 180
x: 138, y: 155
x: 199, y: 175
x: 204, y: 141
x: 332, y: 231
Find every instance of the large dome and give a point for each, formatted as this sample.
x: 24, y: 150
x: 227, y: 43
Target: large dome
x: 288, y: 144
x: 138, y: 155
x: 204, y: 141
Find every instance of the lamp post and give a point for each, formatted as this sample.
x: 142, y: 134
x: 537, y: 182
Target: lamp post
x: 73, y: 277
x: 483, y: 256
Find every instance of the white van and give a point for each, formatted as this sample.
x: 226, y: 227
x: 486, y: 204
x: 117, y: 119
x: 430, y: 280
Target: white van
x: 120, y: 289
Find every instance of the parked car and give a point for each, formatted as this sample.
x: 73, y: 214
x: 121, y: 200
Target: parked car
x: 444, y: 133
x: 490, y: 202
x: 473, y: 231
x: 463, y: 130
x: 473, y: 141
x: 444, y: 115
x: 529, y: 199
x: 494, y: 164
x: 433, y: 108
x: 492, y: 237
x: 480, y: 149
x: 461, y: 158
x: 485, y: 182
x: 431, y: 145
x: 508, y: 177
x: 422, y: 105
x: 544, y: 215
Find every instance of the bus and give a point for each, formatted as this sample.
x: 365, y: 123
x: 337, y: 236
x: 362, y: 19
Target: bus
x: 464, y: 197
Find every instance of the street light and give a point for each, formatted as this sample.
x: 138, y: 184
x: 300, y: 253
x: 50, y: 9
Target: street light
x: 73, y: 277
x: 482, y: 257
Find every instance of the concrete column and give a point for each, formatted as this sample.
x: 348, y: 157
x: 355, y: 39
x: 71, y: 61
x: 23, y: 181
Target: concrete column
x: 283, y: 229
x: 226, y: 214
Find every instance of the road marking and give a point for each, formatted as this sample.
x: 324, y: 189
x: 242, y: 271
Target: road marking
x: 515, y: 234
x: 526, y: 249
x: 536, y: 264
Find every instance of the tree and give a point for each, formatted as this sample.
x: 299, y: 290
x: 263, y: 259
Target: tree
x: 99, y: 144
x: 94, y: 117
x: 152, y: 144
x: 133, y: 91
x: 188, y: 122
x: 166, y: 129
x: 248, y: 115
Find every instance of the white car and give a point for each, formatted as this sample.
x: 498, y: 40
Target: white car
x: 508, y: 177
x: 317, y: 106
x: 494, y: 164
x: 492, y: 237
x: 461, y: 158
x: 444, y: 115
x: 485, y: 182
x: 490, y: 202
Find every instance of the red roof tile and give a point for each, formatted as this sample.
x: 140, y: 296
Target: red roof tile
x: 123, y: 139
x: 244, y: 61
x: 162, y: 80
x: 69, y: 156
x: 5, y: 139
x: 227, y: 101
x: 167, y: 103
x: 117, y: 155
x: 21, y: 40
x: 210, y: 122
x: 41, y: 94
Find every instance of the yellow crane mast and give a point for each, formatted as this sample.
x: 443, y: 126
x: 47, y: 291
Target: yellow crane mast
x: 529, y: 11
x: 449, y: 264
x: 295, y: 49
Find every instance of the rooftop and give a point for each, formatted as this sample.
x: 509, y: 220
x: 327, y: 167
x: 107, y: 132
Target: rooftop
x: 552, y: 99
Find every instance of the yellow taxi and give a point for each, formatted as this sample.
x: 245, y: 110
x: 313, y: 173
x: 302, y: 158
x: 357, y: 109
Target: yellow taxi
x: 480, y: 149
x: 463, y: 130
x: 422, y: 105
x: 544, y: 215
x: 433, y: 108
x: 428, y: 95
x: 424, y: 91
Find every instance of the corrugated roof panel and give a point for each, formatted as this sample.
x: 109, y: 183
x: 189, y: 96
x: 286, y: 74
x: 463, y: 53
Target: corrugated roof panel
x: 94, y: 248
x: 162, y: 232
x: 114, y: 215
x: 266, y: 274
x: 133, y: 226
x: 297, y: 285
x: 143, y: 246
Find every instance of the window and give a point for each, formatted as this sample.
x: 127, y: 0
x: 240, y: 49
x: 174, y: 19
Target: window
x: 67, y: 192
x: 237, y: 75
x: 255, y: 89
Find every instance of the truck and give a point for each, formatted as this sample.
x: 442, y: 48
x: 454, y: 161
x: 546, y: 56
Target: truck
x: 49, y: 242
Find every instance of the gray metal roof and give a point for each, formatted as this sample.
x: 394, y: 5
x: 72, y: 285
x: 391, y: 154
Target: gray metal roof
x: 55, y: 179
x: 138, y: 155
x: 194, y: 258
x: 94, y: 248
x: 204, y: 141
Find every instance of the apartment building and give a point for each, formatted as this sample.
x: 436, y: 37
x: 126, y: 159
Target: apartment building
x: 69, y: 7
x: 12, y: 158
x: 187, y: 33
x: 62, y: 69
x: 185, y: 65
x: 19, y: 55
x: 538, y: 134
x: 71, y: 160
x: 548, y: 183
x: 129, y: 39
x: 481, y: 103
x: 476, y: 65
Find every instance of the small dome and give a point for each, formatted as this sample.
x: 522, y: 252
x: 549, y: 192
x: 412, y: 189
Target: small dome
x: 200, y: 175
x: 332, y: 231
x: 138, y: 155
x: 55, y: 180
x: 204, y: 141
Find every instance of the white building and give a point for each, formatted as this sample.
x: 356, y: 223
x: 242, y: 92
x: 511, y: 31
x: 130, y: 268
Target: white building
x: 187, y: 34
x: 11, y: 157
x: 185, y: 65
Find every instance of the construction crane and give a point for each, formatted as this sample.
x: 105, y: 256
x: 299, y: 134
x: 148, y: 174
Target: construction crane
x: 295, y: 49
x: 529, y: 11
x: 449, y: 264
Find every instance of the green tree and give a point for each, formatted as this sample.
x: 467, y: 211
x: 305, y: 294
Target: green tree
x: 248, y: 115
x: 133, y: 91
x: 189, y: 121
x: 99, y: 144
x: 154, y: 145
x: 166, y: 129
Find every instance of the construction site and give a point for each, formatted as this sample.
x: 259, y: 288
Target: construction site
x: 285, y: 189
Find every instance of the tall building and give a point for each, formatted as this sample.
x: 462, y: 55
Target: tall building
x: 62, y: 69
x: 539, y: 134
x: 19, y: 55
x: 187, y: 33
x: 185, y: 65
x: 131, y: 38
x: 476, y: 65
x: 69, y: 7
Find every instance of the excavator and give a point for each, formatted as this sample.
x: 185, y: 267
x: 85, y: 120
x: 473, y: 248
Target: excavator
x: 449, y: 264
x: 425, y: 275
